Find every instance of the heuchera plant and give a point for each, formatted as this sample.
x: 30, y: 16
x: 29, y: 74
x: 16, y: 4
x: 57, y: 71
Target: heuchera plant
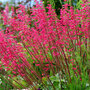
x: 35, y: 45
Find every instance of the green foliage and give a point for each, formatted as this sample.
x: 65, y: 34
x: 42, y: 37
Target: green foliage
x: 19, y: 82
x: 78, y: 4
x: 77, y: 84
x: 4, y: 83
x: 59, y: 84
x: 56, y: 81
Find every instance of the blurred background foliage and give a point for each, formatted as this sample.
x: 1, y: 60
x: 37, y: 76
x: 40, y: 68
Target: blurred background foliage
x: 56, y: 4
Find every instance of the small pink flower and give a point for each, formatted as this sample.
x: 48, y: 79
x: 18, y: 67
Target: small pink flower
x: 47, y: 65
x: 74, y: 68
x: 9, y: 75
x: 37, y: 64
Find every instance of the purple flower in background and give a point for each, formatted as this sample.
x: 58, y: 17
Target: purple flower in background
x: 39, y: 89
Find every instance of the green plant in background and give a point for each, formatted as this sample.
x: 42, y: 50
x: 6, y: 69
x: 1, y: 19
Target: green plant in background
x: 57, y: 4
x: 4, y: 83
x: 62, y: 84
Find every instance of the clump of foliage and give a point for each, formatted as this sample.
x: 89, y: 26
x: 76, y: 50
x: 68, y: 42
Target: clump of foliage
x: 36, y: 47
